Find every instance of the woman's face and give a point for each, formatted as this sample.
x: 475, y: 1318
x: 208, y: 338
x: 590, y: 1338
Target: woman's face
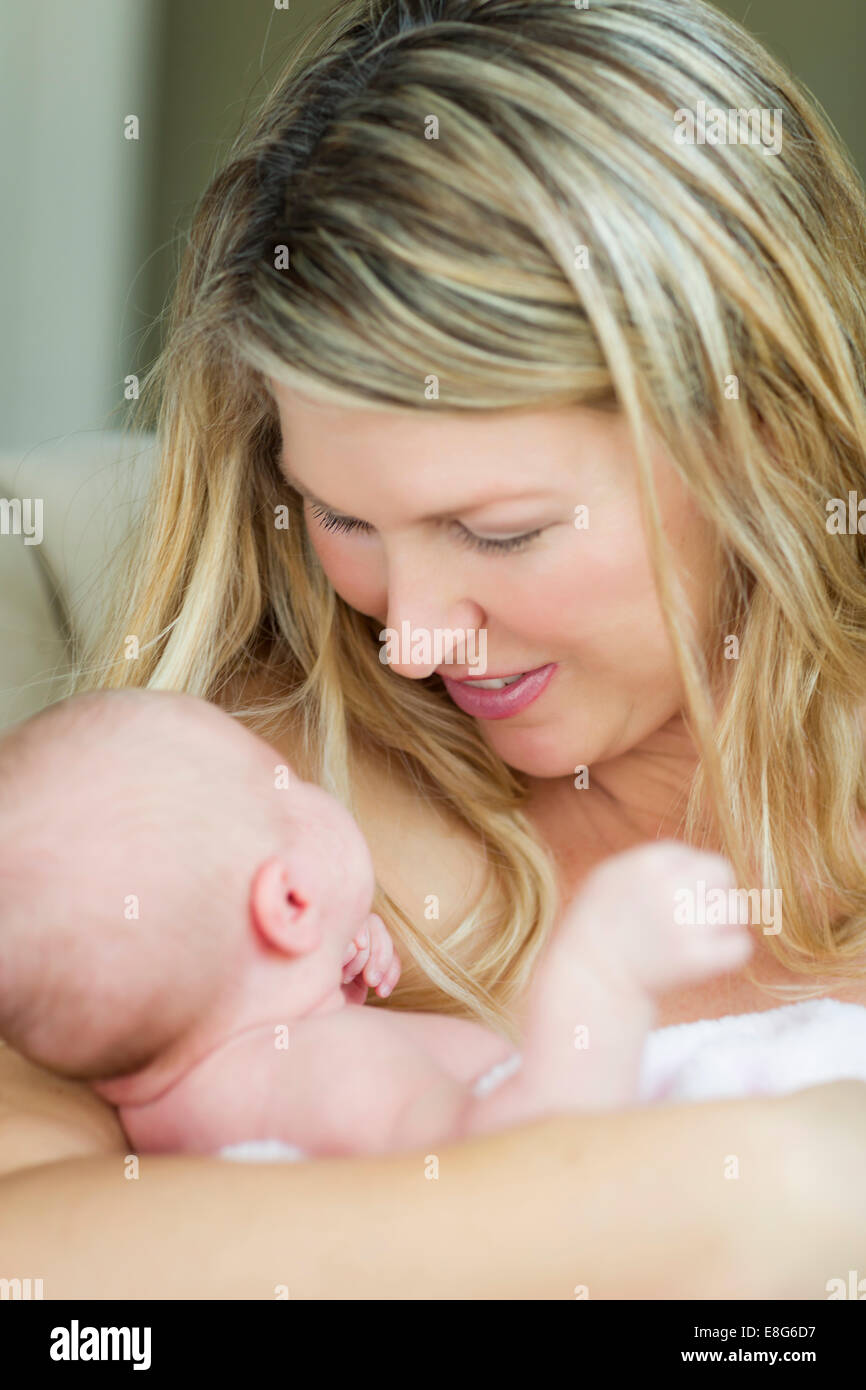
x: 465, y: 523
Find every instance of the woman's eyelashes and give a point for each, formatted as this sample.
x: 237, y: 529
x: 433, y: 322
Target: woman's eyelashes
x: 343, y: 525
x: 488, y: 543
x: 330, y: 521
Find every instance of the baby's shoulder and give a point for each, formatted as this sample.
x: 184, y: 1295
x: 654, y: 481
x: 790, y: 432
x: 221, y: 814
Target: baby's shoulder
x: 357, y: 1038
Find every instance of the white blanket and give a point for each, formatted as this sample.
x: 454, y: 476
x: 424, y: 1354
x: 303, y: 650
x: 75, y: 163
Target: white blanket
x: 770, y: 1053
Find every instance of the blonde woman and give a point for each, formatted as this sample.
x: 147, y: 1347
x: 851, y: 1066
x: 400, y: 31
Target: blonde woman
x: 476, y: 334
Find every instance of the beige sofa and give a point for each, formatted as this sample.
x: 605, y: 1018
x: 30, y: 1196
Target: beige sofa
x: 90, y: 485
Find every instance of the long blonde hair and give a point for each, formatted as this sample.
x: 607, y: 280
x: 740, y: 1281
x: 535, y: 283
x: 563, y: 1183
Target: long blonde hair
x: 485, y: 198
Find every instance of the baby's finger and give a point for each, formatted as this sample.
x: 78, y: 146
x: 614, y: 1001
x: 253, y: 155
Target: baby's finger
x: 357, y: 954
x: 357, y: 964
x: 381, y: 956
x: 392, y: 975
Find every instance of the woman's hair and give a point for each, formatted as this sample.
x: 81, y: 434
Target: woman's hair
x: 483, y: 204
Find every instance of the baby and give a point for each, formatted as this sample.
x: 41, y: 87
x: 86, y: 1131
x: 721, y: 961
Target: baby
x: 187, y: 925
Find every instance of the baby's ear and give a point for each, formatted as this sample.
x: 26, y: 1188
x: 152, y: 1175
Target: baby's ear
x: 281, y: 914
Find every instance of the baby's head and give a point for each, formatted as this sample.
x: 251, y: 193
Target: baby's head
x: 165, y: 881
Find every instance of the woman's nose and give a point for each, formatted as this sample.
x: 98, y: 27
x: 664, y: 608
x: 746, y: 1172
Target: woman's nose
x: 430, y: 623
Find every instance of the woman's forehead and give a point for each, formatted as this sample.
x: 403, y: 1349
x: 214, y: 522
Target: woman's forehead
x: 522, y: 452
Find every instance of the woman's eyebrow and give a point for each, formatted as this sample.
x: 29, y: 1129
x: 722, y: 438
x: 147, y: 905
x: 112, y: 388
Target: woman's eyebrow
x: 434, y: 516
x: 305, y: 492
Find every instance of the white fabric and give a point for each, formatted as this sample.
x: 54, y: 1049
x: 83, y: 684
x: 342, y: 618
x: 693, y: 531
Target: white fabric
x: 770, y: 1053
x: 263, y: 1151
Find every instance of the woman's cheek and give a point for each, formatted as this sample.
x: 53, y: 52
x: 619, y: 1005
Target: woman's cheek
x: 598, y: 589
x: 353, y: 568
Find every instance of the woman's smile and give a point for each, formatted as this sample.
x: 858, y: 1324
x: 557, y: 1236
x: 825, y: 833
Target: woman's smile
x: 500, y: 697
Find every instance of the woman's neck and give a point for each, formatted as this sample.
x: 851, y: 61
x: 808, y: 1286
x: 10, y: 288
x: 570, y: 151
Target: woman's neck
x: 637, y: 796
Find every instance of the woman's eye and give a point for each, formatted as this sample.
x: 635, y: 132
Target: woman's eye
x: 343, y: 525
x: 330, y: 521
x: 488, y: 544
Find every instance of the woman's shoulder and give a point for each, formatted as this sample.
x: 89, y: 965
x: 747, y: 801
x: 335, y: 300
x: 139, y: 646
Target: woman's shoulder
x: 429, y: 862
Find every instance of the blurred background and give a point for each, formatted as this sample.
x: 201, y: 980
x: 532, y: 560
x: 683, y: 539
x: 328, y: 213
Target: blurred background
x: 92, y: 224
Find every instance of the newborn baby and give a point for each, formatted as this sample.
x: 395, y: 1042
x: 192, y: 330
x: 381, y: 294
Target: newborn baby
x: 189, y: 928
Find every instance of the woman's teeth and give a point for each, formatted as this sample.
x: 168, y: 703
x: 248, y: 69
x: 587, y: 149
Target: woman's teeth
x: 496, y: 684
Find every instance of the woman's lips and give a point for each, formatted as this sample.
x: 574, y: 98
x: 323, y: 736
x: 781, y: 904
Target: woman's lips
x: 500, y: 704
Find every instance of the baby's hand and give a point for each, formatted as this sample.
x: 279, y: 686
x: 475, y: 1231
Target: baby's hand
x: 637, y: 917
x: 371, y: 960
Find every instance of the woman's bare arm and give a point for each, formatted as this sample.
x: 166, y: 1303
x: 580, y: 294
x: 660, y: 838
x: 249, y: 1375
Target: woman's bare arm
x: 44, y: 1117
x: 635, y: 1204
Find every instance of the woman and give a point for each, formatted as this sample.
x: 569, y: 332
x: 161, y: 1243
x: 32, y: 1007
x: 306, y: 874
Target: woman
x: 469, y: 339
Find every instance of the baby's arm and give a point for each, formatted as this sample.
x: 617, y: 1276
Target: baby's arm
x: 592, y: 1002
x: 593, y: 999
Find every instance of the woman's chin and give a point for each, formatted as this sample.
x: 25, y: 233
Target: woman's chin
x: 540, y: 752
